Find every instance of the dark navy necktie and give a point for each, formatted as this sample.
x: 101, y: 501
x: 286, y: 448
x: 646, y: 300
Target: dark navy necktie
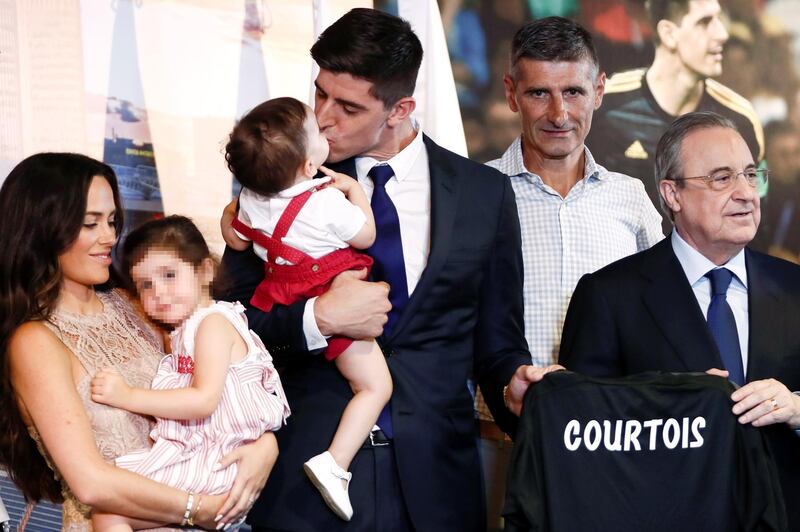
x: 723, y: 325
x: 387, y: 251
x: 389, y: 265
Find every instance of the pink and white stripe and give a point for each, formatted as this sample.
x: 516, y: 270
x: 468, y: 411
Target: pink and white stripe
x: 185, y: 452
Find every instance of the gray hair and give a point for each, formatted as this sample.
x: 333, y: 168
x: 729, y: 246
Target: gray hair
x: 553, y: 39
x: 668, y: 152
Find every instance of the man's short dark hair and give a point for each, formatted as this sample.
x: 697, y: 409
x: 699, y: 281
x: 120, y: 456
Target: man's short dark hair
x: 553, y: 39
x: 672, y: 10
x: 375, y: 46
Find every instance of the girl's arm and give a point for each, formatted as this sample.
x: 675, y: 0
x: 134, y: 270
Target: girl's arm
x: 355, y: 194
x: 42, y: 375
x: 216, y: 342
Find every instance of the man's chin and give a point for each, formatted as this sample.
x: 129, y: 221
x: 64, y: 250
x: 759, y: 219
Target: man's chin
x: 336, y: 157
x: 713, y: 71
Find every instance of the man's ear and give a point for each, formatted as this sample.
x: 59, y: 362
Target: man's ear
x: 669, y: 193
x: 508, y: 85
x: 599, y: 89
x: 667, y: 33
x: 401, y: 110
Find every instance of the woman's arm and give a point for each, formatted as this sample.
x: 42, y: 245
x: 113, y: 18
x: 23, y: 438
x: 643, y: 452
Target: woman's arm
x: 41, y: 373
x: 216, y: 342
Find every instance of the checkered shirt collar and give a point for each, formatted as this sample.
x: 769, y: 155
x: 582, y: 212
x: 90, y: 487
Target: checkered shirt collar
x: 513, y: 163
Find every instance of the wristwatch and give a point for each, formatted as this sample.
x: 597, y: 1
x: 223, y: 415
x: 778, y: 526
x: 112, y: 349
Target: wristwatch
x: 505, y: 397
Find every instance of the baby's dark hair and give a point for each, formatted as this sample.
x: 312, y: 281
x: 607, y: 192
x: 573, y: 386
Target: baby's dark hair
x: 268, y: 146
x: 177, y: 234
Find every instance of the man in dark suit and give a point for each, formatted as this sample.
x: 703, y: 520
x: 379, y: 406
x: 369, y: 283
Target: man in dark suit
x: 456, y: 308
x: 701, y: 300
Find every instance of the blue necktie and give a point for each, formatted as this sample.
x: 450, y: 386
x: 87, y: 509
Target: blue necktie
x: 389, y: 266
x: 723, y: 325
x: 387, y: 251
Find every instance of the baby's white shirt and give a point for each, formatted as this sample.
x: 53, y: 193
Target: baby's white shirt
x: 324, y: 224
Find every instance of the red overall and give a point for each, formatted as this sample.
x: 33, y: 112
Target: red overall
x: 306, y: 276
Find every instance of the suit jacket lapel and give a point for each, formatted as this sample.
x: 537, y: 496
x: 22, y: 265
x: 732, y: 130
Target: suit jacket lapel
x: 674, y: 307
x: 767, y: 331
x: 444, y: 200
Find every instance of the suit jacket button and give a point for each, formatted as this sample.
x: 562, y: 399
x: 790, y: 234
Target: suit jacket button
x: 315, y: 267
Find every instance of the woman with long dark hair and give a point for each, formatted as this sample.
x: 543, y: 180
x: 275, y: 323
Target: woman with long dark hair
x: 60, y: 215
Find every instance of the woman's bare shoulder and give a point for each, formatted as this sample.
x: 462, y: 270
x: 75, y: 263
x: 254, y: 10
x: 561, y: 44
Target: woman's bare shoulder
x: 35, y: 338
x: 31, y: 331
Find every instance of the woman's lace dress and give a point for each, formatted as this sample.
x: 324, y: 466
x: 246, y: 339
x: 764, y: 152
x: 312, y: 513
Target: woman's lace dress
x: 119, y: 338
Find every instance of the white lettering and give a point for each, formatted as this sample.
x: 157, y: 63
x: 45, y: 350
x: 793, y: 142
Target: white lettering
x: 685, y: 433
x: 592, y: 442
x: 610, y: 434
x: 571, y: 439
x: 671, y: 441
x: 632, y: 430
x: 697, y: 424
x: 652, y: 424
x: 612, y: 445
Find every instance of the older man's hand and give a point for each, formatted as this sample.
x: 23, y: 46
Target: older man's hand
x: 766, y: 402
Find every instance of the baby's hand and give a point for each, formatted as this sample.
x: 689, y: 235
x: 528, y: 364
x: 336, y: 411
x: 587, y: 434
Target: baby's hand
x: 109, y: 388
x: 342, y: 182
x: 228, y: 234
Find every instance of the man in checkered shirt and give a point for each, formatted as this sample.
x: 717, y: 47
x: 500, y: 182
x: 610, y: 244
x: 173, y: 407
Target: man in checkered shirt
x: 575, y: 215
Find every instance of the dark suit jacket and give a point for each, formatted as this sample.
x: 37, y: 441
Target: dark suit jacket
x: 464, y: 318
x: 640, y: 314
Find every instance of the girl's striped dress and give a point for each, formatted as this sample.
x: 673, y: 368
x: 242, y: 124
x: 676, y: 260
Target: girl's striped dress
x: 186, y: 452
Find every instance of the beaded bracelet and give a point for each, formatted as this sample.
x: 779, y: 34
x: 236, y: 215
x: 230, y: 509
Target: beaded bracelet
x: 192, y: 517
x: 188, y: 512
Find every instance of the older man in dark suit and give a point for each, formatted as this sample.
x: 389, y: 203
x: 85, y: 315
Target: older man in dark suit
x: 701, y: 300
x: 451, y: 256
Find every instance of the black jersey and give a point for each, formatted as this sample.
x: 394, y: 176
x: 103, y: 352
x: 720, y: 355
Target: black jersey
x: 626, y: 128
x: 654, y: 452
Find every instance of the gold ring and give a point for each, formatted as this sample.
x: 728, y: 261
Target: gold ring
x: 774, y: 403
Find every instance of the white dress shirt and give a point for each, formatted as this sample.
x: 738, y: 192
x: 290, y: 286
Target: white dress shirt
x: 695, y: 266
x: 410, y: 191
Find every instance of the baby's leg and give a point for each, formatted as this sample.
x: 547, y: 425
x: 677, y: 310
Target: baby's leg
x: 117, y: 523
x: 363, y: 365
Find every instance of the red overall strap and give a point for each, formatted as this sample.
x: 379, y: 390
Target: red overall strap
x: 290, y: 213
x: 273, y: 244
x: 274, y: 248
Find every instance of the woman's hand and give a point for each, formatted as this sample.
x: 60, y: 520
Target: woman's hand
x: 209, y: 510
x: 255, y: 462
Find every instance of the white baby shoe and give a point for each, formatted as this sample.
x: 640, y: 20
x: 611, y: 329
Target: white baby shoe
x: 327, y: 476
